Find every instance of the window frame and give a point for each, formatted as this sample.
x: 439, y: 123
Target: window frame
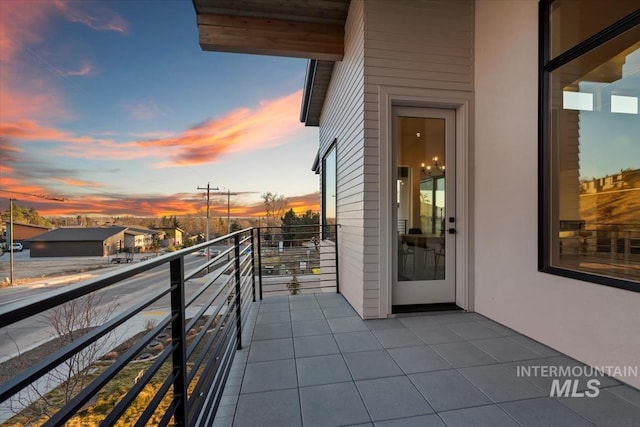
x: 546, y: 66
x: 326, y: 235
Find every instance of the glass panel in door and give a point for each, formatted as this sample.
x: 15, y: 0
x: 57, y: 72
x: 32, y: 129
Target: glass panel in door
x: 425, y: 199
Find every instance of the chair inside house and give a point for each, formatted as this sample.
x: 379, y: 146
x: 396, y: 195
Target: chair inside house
x: 440, y: 253
x: 422, y: 243
x: 406, y: 249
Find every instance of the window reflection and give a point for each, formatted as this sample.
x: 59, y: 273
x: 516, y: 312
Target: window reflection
x: 329, y: 195
x: 595, y: 164
x: 573, y: 21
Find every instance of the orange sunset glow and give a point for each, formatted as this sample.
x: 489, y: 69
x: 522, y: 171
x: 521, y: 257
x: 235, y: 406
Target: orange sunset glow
x: 103, y: 107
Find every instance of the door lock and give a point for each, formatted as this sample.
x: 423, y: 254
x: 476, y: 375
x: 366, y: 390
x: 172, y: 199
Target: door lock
x: 451, y: 230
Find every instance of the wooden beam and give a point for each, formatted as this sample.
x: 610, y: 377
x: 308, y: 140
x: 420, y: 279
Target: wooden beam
x: 271, y: 37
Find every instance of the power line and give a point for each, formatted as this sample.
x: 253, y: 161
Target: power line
x: 228, y: 194
x: 39, y: 195
x: 208, y: 188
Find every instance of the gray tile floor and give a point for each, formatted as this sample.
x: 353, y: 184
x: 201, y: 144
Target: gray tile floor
x: 310, y: 360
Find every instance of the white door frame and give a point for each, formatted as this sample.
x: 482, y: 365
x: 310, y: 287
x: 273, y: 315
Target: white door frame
x: 461, y: 102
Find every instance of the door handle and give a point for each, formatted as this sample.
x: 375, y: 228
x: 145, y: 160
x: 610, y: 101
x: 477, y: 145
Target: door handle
x: 451, y: 230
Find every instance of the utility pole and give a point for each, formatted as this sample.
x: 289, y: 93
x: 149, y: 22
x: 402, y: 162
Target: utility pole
x: 208, y: 198
x: 228, y: 194
x: 11, y: 241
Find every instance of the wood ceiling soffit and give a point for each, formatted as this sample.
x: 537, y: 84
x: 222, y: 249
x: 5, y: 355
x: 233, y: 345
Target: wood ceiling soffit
x: 319, y: 11
x: 271, y: 37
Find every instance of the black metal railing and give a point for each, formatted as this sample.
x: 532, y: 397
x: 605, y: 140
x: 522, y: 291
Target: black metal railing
x: 296, y: 260
x: 181, y: 382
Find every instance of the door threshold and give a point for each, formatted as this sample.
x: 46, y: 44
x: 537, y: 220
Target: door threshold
x: 422, y: 308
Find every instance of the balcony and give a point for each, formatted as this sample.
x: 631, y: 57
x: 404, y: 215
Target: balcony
x: 310, y: 360
x: 258, y: 335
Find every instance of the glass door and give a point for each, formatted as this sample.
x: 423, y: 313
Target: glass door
x: 424, y: 164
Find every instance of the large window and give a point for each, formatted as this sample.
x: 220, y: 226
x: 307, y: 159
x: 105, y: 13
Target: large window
x: 329, y: 194
x: 590, y: 141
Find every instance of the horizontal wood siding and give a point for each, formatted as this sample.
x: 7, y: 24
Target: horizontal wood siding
x: 342, y: 120
x: 422, y: 44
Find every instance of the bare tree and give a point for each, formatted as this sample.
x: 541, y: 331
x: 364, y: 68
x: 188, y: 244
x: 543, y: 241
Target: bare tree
x: 275, y: 206
x: 69, y: 322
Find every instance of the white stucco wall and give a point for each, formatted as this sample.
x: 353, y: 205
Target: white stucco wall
x: 595, y: 324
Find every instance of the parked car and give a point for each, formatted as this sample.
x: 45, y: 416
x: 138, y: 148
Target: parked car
x: 17, y: 247
x: 212, y: 252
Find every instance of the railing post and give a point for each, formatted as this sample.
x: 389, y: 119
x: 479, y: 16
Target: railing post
x: 337, y: 269
x: 253, y: 265
x: 179, y: 341
x: 260, y: 263
x: 236, y: 242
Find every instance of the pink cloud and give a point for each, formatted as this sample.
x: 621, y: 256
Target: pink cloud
x: 266, y: 126
x: 30, y: 130
x: 78, y: 183
x: 93, y: 15
x: 27, y: 91
x: 85, y: 70
x: 144, y: 110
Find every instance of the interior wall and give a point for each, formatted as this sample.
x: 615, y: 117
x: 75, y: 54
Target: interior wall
x: 595, y: 324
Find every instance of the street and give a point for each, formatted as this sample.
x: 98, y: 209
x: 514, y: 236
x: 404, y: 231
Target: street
x: 35, y: 330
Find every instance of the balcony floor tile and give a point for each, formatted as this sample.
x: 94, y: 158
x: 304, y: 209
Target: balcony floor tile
x: 269, y: 408
x: 448, y: 390
x: 393, y: 397
x: 315, y: 345
x: 332, y: 405
x: 418, y: 359
x: 319, y: 370
x: 481, y: 416
x: 371, y: 364
x: 544, y: 411
x: 309, y: 360
x: 267, y: 376
x: 262, y: 351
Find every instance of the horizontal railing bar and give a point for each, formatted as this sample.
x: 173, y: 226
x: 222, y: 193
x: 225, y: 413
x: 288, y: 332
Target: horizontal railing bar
x: 214, y: 394
x: 209, y: 302
x: 210, y: 352
x: 206, y: 286
x: 226, y: 342
x: 219, y: 333
x: 166, y: 418
x: 133, y: 392
x: 223, y: 320
x: 23, y: 379
x: 204, y: 308
x: 221, y: 375
x: 19, y: 310
x: 155, y: 401
x: 301, y: 282
x: 92, y: 389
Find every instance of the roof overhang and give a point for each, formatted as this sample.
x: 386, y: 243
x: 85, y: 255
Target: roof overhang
x: 315, y: 90
x: 312, y: 29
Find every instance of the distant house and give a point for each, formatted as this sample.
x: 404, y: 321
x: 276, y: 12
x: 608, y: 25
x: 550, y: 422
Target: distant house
x: 22, y: 232
x: 78, y: 241
x: 139, y: 238
x: 173, y: 233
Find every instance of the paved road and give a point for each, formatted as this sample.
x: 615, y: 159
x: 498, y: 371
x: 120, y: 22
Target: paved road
x: 35, y: 330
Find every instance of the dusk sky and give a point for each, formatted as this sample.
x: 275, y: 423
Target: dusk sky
x: 114, y: 106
